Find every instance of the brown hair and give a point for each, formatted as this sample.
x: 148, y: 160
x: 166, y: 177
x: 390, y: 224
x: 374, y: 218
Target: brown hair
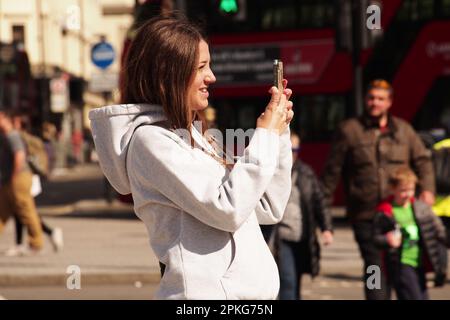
x: 402, y: 175
x: 159, y: 67
x: 381, y: 84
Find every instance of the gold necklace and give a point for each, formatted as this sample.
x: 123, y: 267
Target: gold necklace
x: 225, y: 160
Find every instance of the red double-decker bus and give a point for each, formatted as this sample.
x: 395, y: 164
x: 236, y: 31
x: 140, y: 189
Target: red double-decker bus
x: 243, y: 47
x: 321, y: 52
x: 304, y: 36
x: 414, y: 54
x: 329, y: 55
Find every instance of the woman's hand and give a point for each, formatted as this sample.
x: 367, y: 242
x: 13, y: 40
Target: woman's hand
x: 278, y: 113
x: 288, y: 93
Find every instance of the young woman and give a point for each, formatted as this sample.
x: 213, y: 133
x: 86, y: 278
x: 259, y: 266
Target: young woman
x: 202, y: 215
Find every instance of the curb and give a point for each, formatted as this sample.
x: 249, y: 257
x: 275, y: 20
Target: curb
x: 86, y: 279
x: 85, y: 206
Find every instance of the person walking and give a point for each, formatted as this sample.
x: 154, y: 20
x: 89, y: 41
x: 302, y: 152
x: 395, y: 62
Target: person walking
x: 15, y: 183
x: 365, y: 151
x: 21, y: 124
x: 298, y: 251
x: 201, y: 212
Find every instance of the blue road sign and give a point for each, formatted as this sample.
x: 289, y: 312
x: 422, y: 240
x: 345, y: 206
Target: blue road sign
x: 102, y: 55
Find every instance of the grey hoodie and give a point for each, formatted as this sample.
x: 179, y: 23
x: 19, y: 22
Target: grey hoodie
x: 202, y: 219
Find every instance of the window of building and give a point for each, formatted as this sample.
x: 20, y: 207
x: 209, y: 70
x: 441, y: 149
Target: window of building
x: 18, y: 34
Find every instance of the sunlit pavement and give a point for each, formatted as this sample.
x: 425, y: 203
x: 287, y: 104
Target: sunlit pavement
x: 339, y: 279
x: 110, y: 246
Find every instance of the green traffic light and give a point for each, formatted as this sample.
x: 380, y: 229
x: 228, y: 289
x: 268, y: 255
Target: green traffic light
x: 229, y: 6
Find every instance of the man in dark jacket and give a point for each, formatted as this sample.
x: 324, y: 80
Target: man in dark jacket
x: 365, y: 151
x: 298, y: 248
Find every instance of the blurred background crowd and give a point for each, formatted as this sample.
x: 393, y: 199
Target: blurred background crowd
x: 60, y: 59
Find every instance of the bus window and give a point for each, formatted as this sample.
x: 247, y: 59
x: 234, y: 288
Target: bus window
x: 435, y: 111
x: 445, y: 10
x: 268, y: 15
x: 317, y: 116
x: 423, y: 10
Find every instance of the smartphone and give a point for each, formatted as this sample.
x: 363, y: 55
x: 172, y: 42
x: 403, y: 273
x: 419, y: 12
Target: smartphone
x: 278, y: 74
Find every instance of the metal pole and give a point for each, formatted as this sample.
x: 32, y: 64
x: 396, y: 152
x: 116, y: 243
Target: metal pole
x: 41, y: 35
x: 1, y: 20
x: 65, y: 60
x: 1, y: 76
x: 82, y: 39
x: 358, y: 14
x: 181, y: 5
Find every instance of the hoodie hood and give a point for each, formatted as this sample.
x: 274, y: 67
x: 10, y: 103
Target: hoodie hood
x: 112, y: 129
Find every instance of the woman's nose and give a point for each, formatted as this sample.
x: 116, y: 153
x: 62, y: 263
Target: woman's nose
x: 211, y: 78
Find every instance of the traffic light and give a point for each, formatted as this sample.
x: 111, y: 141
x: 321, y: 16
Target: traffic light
x: 232, y: 10
x: 228, y: 7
